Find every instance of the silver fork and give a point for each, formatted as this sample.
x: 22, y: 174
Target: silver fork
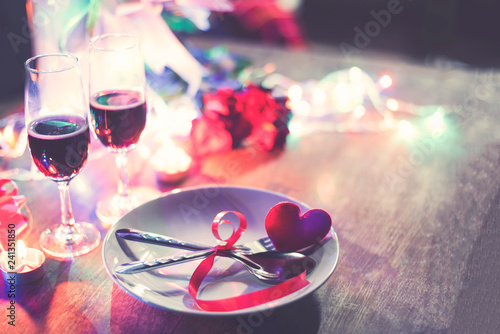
x: 256, y: 246
x: 260, y: 245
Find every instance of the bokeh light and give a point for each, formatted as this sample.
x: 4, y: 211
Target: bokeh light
x: 385, y: 81
x: 302, y: 108
x: 318, y: 97
x: 359, y: 111
x: 295, y: 93
x: 392, y: 104
x: 296, y: 127
x: 406, y: 130
x: 436, y: 122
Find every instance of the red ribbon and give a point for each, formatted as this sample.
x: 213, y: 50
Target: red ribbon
x: 10, y: 207
x: 242, y: 301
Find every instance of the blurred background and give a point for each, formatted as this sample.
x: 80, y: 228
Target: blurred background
x: 422, y: 30
x: 15, y: 48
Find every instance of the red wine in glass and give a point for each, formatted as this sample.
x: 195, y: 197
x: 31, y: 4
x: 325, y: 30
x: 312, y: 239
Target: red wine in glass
x: 119, y: 117
x: 55, y: 112
x: 59, y: 145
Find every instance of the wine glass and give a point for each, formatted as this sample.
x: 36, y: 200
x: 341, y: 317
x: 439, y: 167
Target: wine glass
x: 118, y: 109
x: 58, y: 138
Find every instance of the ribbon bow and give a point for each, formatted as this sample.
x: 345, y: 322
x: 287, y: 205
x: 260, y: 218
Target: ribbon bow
x: 10, y: 206
x: 245, y: 300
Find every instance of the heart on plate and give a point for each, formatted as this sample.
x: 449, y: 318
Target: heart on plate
x: 291, y: 231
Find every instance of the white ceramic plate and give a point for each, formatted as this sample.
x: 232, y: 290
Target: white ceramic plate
x: 188, y: 215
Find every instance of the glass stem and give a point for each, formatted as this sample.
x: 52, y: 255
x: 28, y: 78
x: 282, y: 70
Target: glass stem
x: 68, y: 221
x: 121, y: 162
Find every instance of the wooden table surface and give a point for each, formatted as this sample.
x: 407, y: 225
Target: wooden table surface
x: 418, y: 220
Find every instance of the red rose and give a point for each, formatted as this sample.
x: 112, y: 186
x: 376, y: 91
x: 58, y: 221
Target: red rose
x: 209, y: 136
x: 268, y: 137
x: 239, y: 128
x: 230, y: 117
x: 258, y: 105
x: 217, y: 104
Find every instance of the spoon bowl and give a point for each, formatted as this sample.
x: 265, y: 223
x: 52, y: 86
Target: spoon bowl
x: 270, y: 267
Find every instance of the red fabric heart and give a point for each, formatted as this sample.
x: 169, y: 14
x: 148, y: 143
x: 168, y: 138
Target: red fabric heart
x: 290, y: 231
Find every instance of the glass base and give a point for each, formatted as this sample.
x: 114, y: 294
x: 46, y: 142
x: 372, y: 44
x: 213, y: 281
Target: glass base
x: 111, y: 210
x: 64, y: 242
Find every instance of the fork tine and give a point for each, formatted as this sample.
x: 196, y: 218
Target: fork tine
x: 254, y: 246
x: 260, y: 245
x: 268, y: 244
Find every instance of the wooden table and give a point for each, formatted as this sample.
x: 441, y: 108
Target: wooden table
x: 418, y: 221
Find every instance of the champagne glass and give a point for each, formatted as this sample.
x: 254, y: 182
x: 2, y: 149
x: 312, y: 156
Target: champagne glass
x: 118, y: 109
x: 58, y: 138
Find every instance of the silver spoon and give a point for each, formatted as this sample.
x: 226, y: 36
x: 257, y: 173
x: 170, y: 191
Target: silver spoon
x: 270, y: 267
